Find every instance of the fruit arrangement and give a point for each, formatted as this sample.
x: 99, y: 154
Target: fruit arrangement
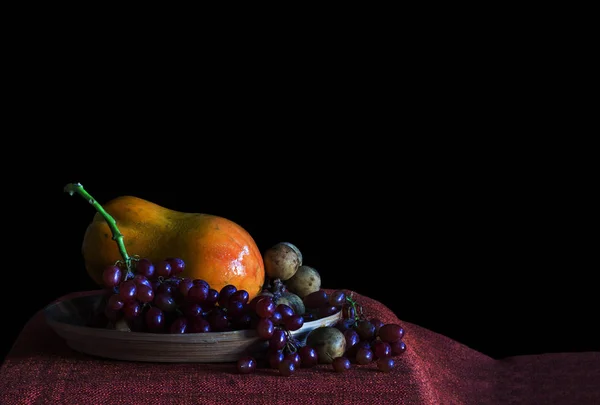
x: 169, y: 289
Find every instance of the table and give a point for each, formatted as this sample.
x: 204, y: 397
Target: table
x: 41, y: 369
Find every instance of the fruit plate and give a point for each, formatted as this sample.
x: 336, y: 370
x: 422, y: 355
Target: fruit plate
x: 70, y: 319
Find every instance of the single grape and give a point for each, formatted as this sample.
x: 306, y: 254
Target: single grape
x: 265, y: 307
x: 391, y: 332
x: 316, y: 299
x: 184, y: 286
x: 235, y: 308
x: 378, y: 323
x: 132, y: 309
x: 218, y: 320
x: 212, y: 298
x: 308, y: 356
x: 155, y: 319
x: 352, y: 338
x: 285, y: 310
x: 327, y: 310
x: 274, y: 357
x: 111, y: 276
x: 348, y: 312
x: 337, y: 298
x: 294, y: 357
x: 199, y: 281
x: 386, y: 364
x: 192, y: 310
x: 162, y: 269
x: 286, y: 368
x: 344, y: 324
x: 127, y: 290
x: 276, y: 318
x: 356, y: 347
x: 140, y: 279
x: 198, y: 325
x: 265, y: 328
x: 177, y: 265
x: 145, y: 268
x: 278, y: 340
x: 168, y: 288
x: 340, y: 364
x: 365, y: 329
x: 294, y: 322
x: 398, y: 347
x: 382, y: 349
x: 178, y: 326
x: 364, y: 355
x: 246, y: 365
x: 165, y: 302
x: 225, y: 293
x: 144, y: 293
x: 240, y: 295
x: 114, y: 302
x: 197, y: 293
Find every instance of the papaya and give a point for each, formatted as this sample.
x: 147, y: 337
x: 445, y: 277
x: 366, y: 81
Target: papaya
x: 214, y: 248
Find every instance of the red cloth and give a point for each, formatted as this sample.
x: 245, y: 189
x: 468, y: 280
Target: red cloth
x: 41, y: 369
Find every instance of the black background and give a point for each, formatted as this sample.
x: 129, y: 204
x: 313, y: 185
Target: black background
x: 485, y: 244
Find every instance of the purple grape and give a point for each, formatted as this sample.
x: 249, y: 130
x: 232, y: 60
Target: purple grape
x: 144, y: 293
x: 365, y: 329
x: 352, y: 338
x: 364, y: 355
x: 278, y: 340
x: 285, y: 310
x: 378, y: 323
x: 145, y: 268
x: 111, y: 276
x: 165, y: 302
x: 327, y: 310
x: 179, y: 326
x: 155, y: 319
x: 246, y: 365
x: 344, y: 324
x: 240, y: 295
x: 115, y: 302
x: 177, y: 265
x: 308, y: 356
x: 197, y: 293
x: 276, y: 318
x: 235, y: 308
x: 341, y: 364
x: 132, y: 309
x: 294, y: 357
x: 212, y: 298
x: 199, y: 281
x: 218, y: 320
x: 274, y: 357
x: 265, y: 328
x: 398, y: 347
x: 316, y: 299
x: 391, y: 332
x: 348, y: 312
x: 198, y: 325
x: 140, y: 279
x: 184, y: 287
x: 382, y: 349
x: 286, y: 368
x: 225, y: 293
x: 386, y: 364
x: 162, y: 269
x: 337, y: 298
x: 127, y: 290
x: 294, y: 322
x: 168, y: 288
x: 192, y: 310
x: 265, y: 307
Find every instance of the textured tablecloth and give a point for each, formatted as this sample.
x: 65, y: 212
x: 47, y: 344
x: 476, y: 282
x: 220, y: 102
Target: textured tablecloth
x: 42, y: 369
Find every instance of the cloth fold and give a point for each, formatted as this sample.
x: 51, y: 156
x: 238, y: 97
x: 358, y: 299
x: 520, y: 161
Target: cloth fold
x: 41, y: 369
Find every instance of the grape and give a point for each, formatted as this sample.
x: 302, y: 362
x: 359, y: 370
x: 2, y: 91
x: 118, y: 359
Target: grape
x: 337, y: 298
x: 131, y: 309
x: 218, y: 320
x: 293, y: 357
x: 246, y: 365
x: 276, y: 318
x: 168, y: 288
x: 344, y: 324
x: 199, y: 281
x: 382, y: 349
x: 365, y: 329
x: 341, y: 364
x: 391, y: 332
x: 198, y: 325
x: 235, y: 308
x: 165, y: 302
x: 327, y: 310
x: 308, y: 317
x: 225, y: 293
x: 285, y: 310
x: 294, y: 322
x: 386, y: 364
x: 197, y: 293
x: 398, y: 347
x: 162, y: 269
x: 378, y: 323
x: 155, y: 319
x: 127, y: 290
x: 184, y: 287
x: 111, y: 276
x: 144, y: 293
x: 240, y: 295
x: 177, y: 265
x: 364, y: 355
x: 316, y: 299
x: 178, y: 326
x: 211, y: 298
x: 139, y: 279
x: 286, y: 368
x: 274, y: 357
x: 145, y: 268
x: 265, y: 328
x: 115, y: 302
x: 352, y: 338
x: 308, y: 356
x: 348, y: 312
x: 265, y: 307
x: 193, y: 310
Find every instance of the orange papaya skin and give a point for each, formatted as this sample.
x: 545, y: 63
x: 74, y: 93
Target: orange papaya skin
x: 214, y: 248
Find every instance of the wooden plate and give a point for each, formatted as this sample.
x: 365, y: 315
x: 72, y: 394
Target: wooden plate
x: 69, y: 318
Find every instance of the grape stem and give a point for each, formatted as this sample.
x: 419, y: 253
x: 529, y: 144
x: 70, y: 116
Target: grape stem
x: 73, y: 188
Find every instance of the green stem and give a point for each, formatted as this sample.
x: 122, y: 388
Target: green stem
x: 73, y: 188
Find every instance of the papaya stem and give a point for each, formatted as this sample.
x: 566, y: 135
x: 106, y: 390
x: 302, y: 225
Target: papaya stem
x: 73, y: 188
